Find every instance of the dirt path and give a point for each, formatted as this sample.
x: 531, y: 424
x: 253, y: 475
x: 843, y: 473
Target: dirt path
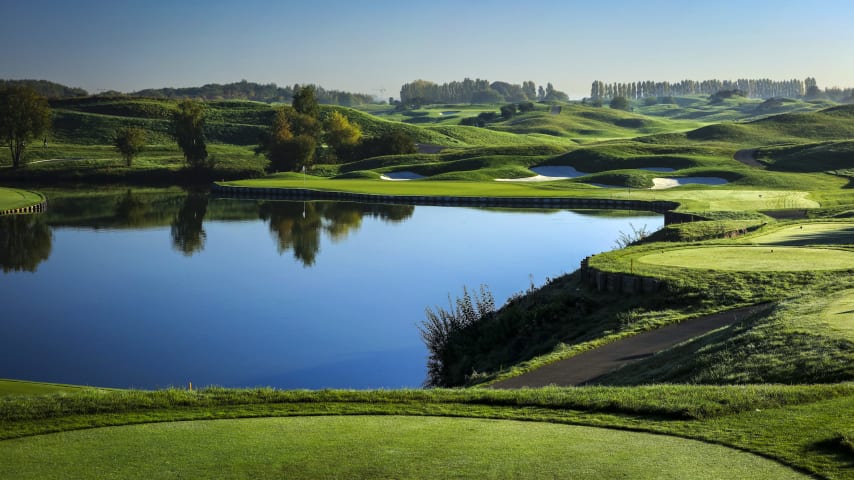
x: 588, y: 366
x: 748, y: 157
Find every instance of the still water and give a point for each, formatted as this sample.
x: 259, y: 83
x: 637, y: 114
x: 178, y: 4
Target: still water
x: 160, y: 288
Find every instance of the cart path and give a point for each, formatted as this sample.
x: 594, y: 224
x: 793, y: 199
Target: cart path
x: 748, y: 157
x: 592, y: 364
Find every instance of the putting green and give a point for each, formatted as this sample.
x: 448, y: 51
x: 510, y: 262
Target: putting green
x: 756, y: 259
x: 13, y: 198
x: 810, y: 234
x: 373, y: 447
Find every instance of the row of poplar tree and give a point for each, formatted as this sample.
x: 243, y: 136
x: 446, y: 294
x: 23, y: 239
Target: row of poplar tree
x: 753, y: 88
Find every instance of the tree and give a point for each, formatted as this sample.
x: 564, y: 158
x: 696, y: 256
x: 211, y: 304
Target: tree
x: 305, y: 101
x: 188, y: 125
x: 342, y: 135
x: 389, y: 143
x: 24, y: 115
x: 526, y: 107
x: 619, y: 103
x: 508, y: 111
x: 129, y: 141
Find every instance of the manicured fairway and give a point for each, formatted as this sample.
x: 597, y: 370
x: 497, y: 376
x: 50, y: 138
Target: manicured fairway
x: 810, y: 234
x: 373, y: 447
x: 757, y: 259
x: 840, y: 314
x: 737, y: 200
x: 14, y: 198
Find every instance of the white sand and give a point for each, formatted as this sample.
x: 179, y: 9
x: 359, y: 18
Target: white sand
x: 400, y: 176
x: 547, y: 174
x: 663, y: 183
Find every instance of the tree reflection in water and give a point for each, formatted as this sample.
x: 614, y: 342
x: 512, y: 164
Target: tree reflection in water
x: 25, y: 242
x: 298, y: 226
x: 188, y: 233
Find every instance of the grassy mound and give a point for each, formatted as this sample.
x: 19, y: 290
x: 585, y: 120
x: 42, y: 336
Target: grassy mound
x: 810, y: 157
x: 797, y: 425
x: 374, y: 447
x: 753, y: 259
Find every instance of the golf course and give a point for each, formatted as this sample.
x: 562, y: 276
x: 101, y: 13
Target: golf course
x: 749, y: 286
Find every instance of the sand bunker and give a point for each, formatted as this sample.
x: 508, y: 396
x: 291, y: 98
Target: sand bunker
x: 400, y: 176
x: 662, y: 183
x: 547, y: 174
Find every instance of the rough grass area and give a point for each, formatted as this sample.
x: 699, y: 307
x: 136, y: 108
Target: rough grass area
x: 802, y: 340
x: 15, y: 198
x: 753, y: 259
x: 374, y: 447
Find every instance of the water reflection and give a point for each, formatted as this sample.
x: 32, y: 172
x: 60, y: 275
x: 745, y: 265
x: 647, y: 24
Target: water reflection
x: 298, y: 226
x: 25, y: 242
x: 188, y: 233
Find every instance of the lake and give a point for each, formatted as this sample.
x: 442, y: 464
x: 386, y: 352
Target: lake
x: 157, y: 288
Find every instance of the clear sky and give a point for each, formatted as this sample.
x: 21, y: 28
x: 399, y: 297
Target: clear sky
x: 374, y: 46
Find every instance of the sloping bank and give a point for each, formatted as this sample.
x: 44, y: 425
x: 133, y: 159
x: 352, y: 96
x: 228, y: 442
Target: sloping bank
x: 657, y: 206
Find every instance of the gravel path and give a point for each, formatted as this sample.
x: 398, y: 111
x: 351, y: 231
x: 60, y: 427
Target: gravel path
x: 586, y: 367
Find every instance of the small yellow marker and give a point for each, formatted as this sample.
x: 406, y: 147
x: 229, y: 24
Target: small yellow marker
x: 191, y: 386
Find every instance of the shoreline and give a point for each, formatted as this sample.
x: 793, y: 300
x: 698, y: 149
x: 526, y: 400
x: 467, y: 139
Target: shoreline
x: 657, y: 206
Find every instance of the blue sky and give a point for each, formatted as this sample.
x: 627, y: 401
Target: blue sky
x: 378, y: 45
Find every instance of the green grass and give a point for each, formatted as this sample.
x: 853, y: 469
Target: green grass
x: 839, y: 313
x: 20, y: 387
x: 374, y: 447
x: 804, y: 339
x: 792, y: 424
x: 15, y: 198
x: 813, y: 233
x: 753, y: 259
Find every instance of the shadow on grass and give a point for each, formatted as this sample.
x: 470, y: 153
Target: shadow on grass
x: 839, y: 447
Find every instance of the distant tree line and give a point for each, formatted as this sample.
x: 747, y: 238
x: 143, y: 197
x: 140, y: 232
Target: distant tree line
x: 753, y: 88
x: 45, y: 88
x: 424, y: 92
x: 244, y: 90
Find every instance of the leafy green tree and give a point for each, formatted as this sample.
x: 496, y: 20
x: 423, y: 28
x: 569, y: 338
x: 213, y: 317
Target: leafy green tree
x: 129, y: 141
x: 188, y: 125
x: 530, y: 90
x: 305, y: 101
x: 526, y: 107
x: 389, y: 143
x: 24, y: 115
x: 619, y: 103
x: 342, y: 135
x: 508, y: 111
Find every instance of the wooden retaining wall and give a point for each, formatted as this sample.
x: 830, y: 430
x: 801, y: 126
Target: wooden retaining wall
x: 521, y: 202
x: 618, y: 282
x: 37, y: 208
